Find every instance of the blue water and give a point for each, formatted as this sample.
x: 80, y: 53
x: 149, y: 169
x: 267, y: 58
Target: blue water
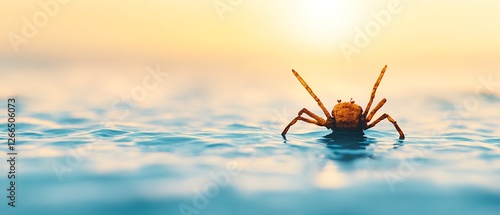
x: 164, y: 161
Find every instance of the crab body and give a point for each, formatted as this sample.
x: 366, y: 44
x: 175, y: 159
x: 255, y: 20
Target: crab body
x: 347, y: 116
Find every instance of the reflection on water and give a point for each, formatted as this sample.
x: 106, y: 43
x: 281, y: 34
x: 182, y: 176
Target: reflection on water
x: 348, y: 147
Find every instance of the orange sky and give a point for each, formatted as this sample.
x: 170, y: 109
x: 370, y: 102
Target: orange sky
x: 281, y: 29
x: 443, y: 42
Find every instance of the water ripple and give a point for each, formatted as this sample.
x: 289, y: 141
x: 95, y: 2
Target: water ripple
x: 106, y: 132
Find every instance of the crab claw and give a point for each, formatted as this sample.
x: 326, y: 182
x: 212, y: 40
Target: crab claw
x: 339, y: 100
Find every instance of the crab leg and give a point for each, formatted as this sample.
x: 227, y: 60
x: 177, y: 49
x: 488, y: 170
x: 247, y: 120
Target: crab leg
x: 379, y: 105
x: 367, y: 109
x: 384, y: 116
x: 319, y: 121
x: 320, y: 104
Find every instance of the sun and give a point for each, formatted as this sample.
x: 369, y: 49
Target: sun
x: 322, y: 19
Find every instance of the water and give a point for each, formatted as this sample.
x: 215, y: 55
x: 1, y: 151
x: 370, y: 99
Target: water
x: 231, y: 162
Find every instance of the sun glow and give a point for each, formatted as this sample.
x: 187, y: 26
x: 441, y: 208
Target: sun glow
x: 321, y: 19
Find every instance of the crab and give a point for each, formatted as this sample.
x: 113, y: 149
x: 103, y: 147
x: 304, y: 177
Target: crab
x: 345, y: 116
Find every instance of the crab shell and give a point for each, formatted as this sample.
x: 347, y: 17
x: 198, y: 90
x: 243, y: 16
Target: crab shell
x: 348, y: 117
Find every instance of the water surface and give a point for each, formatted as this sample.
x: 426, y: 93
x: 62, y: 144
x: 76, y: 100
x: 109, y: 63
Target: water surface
x: 232, y: 162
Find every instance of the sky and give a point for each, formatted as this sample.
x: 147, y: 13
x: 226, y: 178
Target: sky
x: 218, y: 44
